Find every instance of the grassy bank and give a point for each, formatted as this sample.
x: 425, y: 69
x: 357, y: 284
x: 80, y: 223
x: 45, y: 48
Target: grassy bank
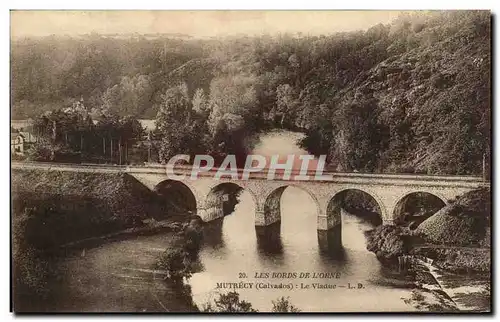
x: 465, y: 222
x: 459, y: 260
x: 457, y: 237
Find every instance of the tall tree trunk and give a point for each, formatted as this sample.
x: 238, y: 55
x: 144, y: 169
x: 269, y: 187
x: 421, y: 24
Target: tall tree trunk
x: 111, y: 150
x: 126, y: 152
x: 120, y: 149
x: 149, y: 147
x: 81, y: 142
x: 54, y: 131
x: 103, y: 146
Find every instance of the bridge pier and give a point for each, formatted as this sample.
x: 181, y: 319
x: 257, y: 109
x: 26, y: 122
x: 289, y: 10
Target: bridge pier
x: 330, y: 241
x: 330, y: 232
x: 264, y: 219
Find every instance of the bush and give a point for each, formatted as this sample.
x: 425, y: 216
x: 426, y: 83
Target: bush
x: 389, y: 242
x: 31, y: 266
x: 465, y: 222
x: 283, y: 305
x: 177, y: 261
x: 192, y: 236
x: 176, y: 265
x: 229, y: 302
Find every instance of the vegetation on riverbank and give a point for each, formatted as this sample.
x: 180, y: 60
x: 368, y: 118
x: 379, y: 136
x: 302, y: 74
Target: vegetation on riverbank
x: 456, y: 239
x: 51, y: 209
x: 465, y: 222
x: 231, y: 303
x: 457, y: 236
x: 389, y: 242
x: 178, y: 261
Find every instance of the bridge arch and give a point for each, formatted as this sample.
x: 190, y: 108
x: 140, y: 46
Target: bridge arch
x: 416, y: 206
x: 177, y: 195
x: 336, y: 203
x: 222, y: 199
x: 271, y: 204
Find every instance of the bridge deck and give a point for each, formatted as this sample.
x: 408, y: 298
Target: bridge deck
x: 261, y: 175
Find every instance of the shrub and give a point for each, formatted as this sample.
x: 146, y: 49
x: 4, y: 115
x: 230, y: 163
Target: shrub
x: 389, y: 242
x: 176, y: 265
x: 229, y: 302
x: 283, y: 305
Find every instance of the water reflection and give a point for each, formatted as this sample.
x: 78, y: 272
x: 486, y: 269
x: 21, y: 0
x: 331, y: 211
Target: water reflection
x: 212, y: 234
x: 330, y: 242
x: 269, y: 239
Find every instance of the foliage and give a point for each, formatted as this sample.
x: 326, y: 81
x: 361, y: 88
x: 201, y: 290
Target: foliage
x: 229, y: 302
x: 77, y: 134
x: 283, y: 305
x: 30, y: 267
x: 388, y: 242
x: 192, y: 234
x: 465, y: 222
x: 177, y: 124
x: 409, y: 96
x: 176, y: 265
x: 177, y: 261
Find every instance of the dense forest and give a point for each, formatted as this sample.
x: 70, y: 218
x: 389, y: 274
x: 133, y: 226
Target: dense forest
x: 410, y: 96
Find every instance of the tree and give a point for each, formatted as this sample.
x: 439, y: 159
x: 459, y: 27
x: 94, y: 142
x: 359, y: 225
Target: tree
x: 233, y: 104
x: 283, y: 304
x: 200, y: 104
x: 229, y: 302
x: 285, y: 104
x: 131, y: 96
x: 357, y: 145
x: 177, y: 126
x: 176, y: 265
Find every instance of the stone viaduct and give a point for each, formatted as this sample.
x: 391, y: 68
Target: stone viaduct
x: 208, y: 196
x: 388, y: 190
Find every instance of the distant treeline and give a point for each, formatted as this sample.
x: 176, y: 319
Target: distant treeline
x: 410, y: 96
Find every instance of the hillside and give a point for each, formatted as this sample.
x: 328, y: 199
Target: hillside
x: 64, y: 207
x: 465, y: 222
x: 446, y: 80
x: 409, y: 96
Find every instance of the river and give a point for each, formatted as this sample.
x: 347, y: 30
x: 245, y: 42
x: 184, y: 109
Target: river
x: 119, y: 276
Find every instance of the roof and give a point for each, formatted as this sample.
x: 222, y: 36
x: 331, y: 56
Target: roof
x: 20, y: 124
x: 28, y: 136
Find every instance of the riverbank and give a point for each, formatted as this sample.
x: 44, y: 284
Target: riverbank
x: 454, y: 243
x: 77, y: 278
x: 54, y: 212
x: 149, y: 227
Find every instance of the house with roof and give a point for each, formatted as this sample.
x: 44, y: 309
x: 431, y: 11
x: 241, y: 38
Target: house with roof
x: 20, y: 142
x: 16, y: 143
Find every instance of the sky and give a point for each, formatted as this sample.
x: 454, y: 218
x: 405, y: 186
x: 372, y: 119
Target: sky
x: 193, y: 23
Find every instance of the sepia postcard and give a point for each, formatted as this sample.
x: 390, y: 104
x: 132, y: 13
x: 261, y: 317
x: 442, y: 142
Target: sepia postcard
x: 250, y: 161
